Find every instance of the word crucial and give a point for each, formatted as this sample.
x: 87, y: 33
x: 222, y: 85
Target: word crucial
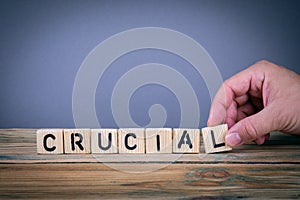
x: 131, y: 140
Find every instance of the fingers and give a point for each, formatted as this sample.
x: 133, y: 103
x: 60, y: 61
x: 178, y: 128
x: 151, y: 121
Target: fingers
x: 224, y: 104
x: 245, y: 111
x: 219, y: 106
x: 241, y: 100
x: 235, y: 89
x: 267, y: 136
x: 260, y: 140
x: 251, y: 128
x: 255, y: 102
x: 231, y: 114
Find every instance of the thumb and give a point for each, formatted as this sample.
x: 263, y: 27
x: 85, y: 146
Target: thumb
x: 251, y: 128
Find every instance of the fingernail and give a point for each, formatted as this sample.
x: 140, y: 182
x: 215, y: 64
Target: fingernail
x: 233, y: 139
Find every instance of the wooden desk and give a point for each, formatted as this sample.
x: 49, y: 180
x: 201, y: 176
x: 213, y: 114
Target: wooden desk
x: 271, y: 170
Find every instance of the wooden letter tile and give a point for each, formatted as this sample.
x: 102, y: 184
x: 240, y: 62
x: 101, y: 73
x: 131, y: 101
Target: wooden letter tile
x: 104, y: 140
x: 50, y: 141
x: 214, y: 138
x: 158, y: 140
x: 131, y: 140
x: 77, y: 140
x: 186, y: 140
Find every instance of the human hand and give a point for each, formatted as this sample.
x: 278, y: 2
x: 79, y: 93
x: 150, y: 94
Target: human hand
x: 263, y: 98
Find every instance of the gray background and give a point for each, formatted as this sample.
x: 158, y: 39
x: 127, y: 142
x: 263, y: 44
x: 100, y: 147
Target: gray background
x: 43, y: 44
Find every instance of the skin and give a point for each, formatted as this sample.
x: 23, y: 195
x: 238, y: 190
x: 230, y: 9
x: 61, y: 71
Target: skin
x: 263, y: 98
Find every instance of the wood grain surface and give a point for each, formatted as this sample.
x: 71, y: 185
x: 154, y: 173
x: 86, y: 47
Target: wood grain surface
x: 271, y: 170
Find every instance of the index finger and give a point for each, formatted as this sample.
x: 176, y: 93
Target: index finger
x: 238, y: 85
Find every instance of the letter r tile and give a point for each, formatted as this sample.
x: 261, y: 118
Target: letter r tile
x: 77, y: 140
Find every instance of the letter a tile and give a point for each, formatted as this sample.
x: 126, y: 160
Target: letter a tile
x: 186, y: 140
x: 214, y: 139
